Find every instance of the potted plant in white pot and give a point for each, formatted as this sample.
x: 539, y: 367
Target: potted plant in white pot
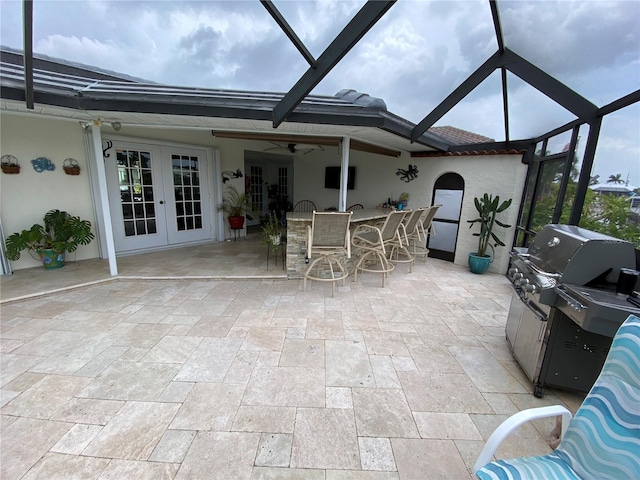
x: 488, y: 207
x: 272, y: 232
x: 60, y: 233
x: 235, y: 204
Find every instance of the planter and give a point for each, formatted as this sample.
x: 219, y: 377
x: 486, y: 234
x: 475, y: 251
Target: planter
x: 71, y: 167
x: 236, y: 223
x: 479, y: 264
x: 10, y: 164
x: 275, y: 239
x: 51, y: 258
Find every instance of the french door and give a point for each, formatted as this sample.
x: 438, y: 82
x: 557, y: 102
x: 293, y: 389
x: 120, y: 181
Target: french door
x: 158, y: 195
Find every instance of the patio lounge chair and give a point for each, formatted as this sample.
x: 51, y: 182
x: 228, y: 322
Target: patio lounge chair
x: 377, y: 242
x: 328, y: 236
x: 355, y: 206
x: 601, y: 442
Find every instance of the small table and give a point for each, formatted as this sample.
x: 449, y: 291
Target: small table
x: 283, y: 247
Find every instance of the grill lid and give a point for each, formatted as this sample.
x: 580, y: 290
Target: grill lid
x: 579, y: 255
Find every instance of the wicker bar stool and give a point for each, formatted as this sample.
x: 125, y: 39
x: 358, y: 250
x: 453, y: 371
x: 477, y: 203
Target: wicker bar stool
x: 328, y: 236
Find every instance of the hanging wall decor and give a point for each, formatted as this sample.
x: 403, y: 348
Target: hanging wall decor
x: 10, y: 165
x: 41, y: 164
x: 230, y: 174
x: 109, y: 146
x: 71, y: 167
x: 411, y: 173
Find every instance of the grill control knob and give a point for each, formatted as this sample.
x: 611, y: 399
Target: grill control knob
x: 530, y: 288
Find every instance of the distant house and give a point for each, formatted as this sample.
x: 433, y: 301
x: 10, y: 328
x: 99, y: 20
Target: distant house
x: 619, y: 190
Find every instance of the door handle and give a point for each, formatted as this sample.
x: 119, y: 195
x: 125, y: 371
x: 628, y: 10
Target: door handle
x: 161, y: 202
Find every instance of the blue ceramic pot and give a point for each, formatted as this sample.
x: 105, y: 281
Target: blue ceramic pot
x: 479, y: 264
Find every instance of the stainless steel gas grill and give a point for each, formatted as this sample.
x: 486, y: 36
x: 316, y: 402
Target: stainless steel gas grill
x: 565, y: 310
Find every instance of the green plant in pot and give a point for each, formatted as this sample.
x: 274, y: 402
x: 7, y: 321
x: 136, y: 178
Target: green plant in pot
x: 488, y: 207
x: 272, y: 232
x: 235, y: 204
x: 61, y: 232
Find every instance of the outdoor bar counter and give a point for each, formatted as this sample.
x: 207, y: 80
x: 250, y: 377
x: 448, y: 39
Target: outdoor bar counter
x: 297, y: 223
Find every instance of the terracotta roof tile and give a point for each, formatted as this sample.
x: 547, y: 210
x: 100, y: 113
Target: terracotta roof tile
x: 458, y: 136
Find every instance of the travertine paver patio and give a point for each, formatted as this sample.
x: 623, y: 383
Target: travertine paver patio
x: 257, y: 379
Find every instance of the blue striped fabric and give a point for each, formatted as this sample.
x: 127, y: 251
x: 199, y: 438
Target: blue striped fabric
x: 603, y: 439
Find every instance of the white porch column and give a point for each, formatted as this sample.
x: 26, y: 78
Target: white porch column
x: 104, y: 198
x: 344, y: 173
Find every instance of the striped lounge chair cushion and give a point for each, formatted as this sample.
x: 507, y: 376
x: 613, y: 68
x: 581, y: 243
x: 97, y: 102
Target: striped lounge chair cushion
x: 603, y: 439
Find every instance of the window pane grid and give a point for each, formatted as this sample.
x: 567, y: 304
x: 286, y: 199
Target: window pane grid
x: 136, y: 192
x: 186, y: 181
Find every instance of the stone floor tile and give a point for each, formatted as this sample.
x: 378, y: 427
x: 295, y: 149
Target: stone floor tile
x: 24, y: 381
x: 76, y: 439
x: 339, y: 397
x: 143, y: 381
x: 376, y: 454
x: 55, y: 466
x: 404, y: 364
x: 120, y: 469
x: 446, y: 426
x: 325, y: 328
x: 525, y: 440
x: 288, y: 322
x: 286, y: 386
x: 269, y: 473
x: 360, y: 321
x: 242, y: 367
x: 15, y: 365
x: 202, y: 307
x: 500, y: 403
x: 268, y: 359
x: 151, y: 314
x: 7, y: 344
x: 6, y: 396
x: 487, y: 374
x: 209, y: 406
x: 296, y: 332
x: 133, y: 432
x: 354, y: 336
x: 325, y: 438
x: 264, y: 339
x: 173, y: 446
x: 383, y: 413
x: 171, y: 349
x: 383, y: 371
x: 210, y: 326
x: 469, y: 451
x: 432, y: 459
x: 176, y: 392
x: 46, y: 396
x: 348, y: 364
x: 88, y: 410
x: 254, y: 317
x: 101, y: 362
x: 434, y: 359
x: 265, y: 419
x: 301, y: 353
x: 398, y: 314
x: 385, y: 343
x: 442, y: 392
x: 143, y: 336
x: 210, y: 362
x: 360, y: 475
x: 274, y: 450
x: 220, y: 456
x: 30, y: 439
x: 186, y: 320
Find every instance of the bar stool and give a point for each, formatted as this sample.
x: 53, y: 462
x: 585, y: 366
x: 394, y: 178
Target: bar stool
x: 375, y: 242
x: 328, y: 236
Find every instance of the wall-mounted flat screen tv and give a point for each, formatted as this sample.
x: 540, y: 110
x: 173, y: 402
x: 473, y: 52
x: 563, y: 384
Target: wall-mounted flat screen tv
x: 332, y: 177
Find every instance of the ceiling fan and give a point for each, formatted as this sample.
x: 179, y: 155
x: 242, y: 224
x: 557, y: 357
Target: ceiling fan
x: 302, y: 148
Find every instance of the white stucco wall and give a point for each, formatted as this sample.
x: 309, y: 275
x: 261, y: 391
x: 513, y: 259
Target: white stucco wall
x: 502, y: 175
x: 26, y: 197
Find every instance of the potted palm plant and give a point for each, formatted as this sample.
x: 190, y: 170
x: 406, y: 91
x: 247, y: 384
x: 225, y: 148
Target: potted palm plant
x: 235, y: 204
x: 61, y: 232
x: 488, y: 207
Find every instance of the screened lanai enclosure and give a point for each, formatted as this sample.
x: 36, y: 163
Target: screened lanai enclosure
x: 558, y: 81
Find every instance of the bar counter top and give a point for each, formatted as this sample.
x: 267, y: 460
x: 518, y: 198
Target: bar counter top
x: 297, y: 223
x: 361, y: 215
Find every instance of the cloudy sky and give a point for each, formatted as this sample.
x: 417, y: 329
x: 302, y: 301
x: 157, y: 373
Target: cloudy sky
x: 412, y: 58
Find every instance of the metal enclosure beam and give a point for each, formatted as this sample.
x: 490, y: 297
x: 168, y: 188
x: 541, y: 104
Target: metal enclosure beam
x: 27, y: 19
x: 496, y: 25
x: 360, y: 24
x: 475, y: 79
x: 552, y: 88
x: 286, y: 28
x: 585, y: 171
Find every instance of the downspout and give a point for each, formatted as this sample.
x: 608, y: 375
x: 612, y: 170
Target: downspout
x: 344, y: 172
x: 104, y: 198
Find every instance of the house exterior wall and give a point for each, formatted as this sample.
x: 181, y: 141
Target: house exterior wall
x: 502, y: 175
x: 26, y: 197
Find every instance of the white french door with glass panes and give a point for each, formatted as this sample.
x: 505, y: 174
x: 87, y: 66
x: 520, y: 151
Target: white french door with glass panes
x: 158, y: 195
